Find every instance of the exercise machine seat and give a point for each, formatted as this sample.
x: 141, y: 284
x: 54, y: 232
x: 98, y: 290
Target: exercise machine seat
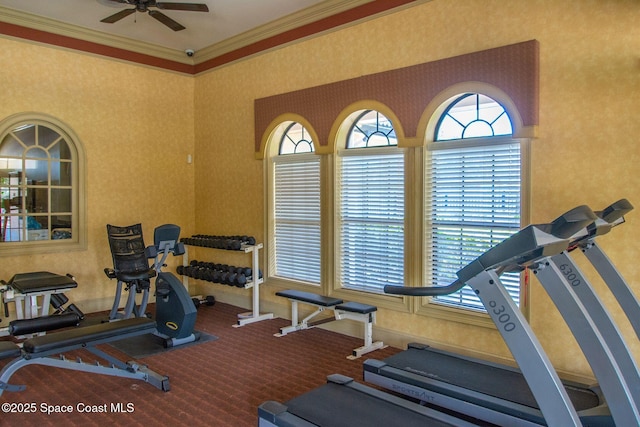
x: 130, y: 260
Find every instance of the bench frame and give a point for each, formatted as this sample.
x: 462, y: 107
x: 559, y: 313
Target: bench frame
x: 25, y: 294
x: 364, y: 314
x: 115, y: 368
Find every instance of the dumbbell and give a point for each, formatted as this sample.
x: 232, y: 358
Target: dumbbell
x: 217, y: 273
x: 248, y: 271
x: 233, y: 244
x: 209, y: 300
x: 241, y: 280
x: 215, y: 276
x: 249, y: 240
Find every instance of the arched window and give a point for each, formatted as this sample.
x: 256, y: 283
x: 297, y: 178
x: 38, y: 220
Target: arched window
x: 372, y: 129
x: 40, y: 182
x: 473, y: 115
x: 473, y: 192
x: 295, y: 252
x: 296, y: 140
x: 371, y: 205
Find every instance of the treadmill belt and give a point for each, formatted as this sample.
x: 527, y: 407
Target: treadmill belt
x: 339, y: 406
x: 480, y: 377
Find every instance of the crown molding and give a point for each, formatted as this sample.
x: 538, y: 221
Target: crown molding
x: 328, y: 15
x: 290, y: 22
x: 320, y: 11
x: 40, y: 23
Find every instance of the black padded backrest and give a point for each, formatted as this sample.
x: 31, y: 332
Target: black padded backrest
x: 128, y: 252
x: 89, y: 335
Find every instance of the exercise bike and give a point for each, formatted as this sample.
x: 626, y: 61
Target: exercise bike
x: 175, y: 312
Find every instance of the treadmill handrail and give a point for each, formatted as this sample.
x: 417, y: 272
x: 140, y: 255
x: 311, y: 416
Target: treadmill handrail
x: 609, y: 217
x: 521, y: 249
x: 424, y: 291
x: 615, y: 211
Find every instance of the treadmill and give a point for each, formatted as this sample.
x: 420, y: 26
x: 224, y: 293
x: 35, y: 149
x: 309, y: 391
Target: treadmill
x: 500, y: 394
x: 343, y: 402
x: 491, y: 392
x: 611, y: 216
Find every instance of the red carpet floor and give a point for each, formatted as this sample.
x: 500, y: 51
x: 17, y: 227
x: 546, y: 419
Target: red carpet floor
x: 216, y: 383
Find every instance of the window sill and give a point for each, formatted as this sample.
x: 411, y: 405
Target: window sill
x: 453, y: 314
x: 40, y: 247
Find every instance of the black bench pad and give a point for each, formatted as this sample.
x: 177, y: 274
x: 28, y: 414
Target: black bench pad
x: 310, y: 298
x: 40, y: 281
x: 87, y: 334
x: 8, y: 349
x: 356, y: 307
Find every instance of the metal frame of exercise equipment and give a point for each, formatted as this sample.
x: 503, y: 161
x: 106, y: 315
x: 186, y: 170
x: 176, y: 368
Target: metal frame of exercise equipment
x: 40, y: 351
x: 588, y: 319
x: 524, y: 249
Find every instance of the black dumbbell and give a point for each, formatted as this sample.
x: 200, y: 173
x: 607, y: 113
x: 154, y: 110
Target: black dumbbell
x: 224, y: 275
x: 233, y: 244
x: 209, y: 300
x: 215, y: 276
x: 247, y: 271
x: 199, y: 273
x: 241, y: 280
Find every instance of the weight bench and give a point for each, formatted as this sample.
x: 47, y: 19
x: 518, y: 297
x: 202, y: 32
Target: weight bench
x: 36, y: 351
x: 24, y: 289
x: 342, y: 310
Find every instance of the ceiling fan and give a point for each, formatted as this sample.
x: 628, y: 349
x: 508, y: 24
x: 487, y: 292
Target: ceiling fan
x: 144, y: 5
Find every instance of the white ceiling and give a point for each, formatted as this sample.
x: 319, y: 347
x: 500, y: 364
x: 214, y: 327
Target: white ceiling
x: 227, y: 20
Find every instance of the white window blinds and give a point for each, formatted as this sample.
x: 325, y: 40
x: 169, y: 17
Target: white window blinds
x: 297, y: 217
x: 371, y: 219
x: 473, y: 203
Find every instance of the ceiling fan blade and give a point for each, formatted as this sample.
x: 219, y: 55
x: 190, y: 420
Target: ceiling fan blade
x: 113, y: 3
x: 118, y: 16
x: 166, y: 20
x: 193, y: 7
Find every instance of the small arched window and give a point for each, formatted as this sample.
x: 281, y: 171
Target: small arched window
x: 296, y: 140
x: 372, y: 129
x: 473, y: 192
x: 40, y: 184
x: 473, y: 115
x: 295, y: 236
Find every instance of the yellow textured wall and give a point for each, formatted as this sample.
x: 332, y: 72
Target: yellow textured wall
x: 585, y: 154
x: 136, y: 126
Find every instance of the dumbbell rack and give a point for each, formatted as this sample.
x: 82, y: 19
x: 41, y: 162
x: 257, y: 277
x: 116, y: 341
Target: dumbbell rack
x: 254, y: 315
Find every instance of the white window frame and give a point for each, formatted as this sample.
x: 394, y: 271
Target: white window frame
x: 295, y: 255
x: 363, y: 265
x: 446, y: 309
